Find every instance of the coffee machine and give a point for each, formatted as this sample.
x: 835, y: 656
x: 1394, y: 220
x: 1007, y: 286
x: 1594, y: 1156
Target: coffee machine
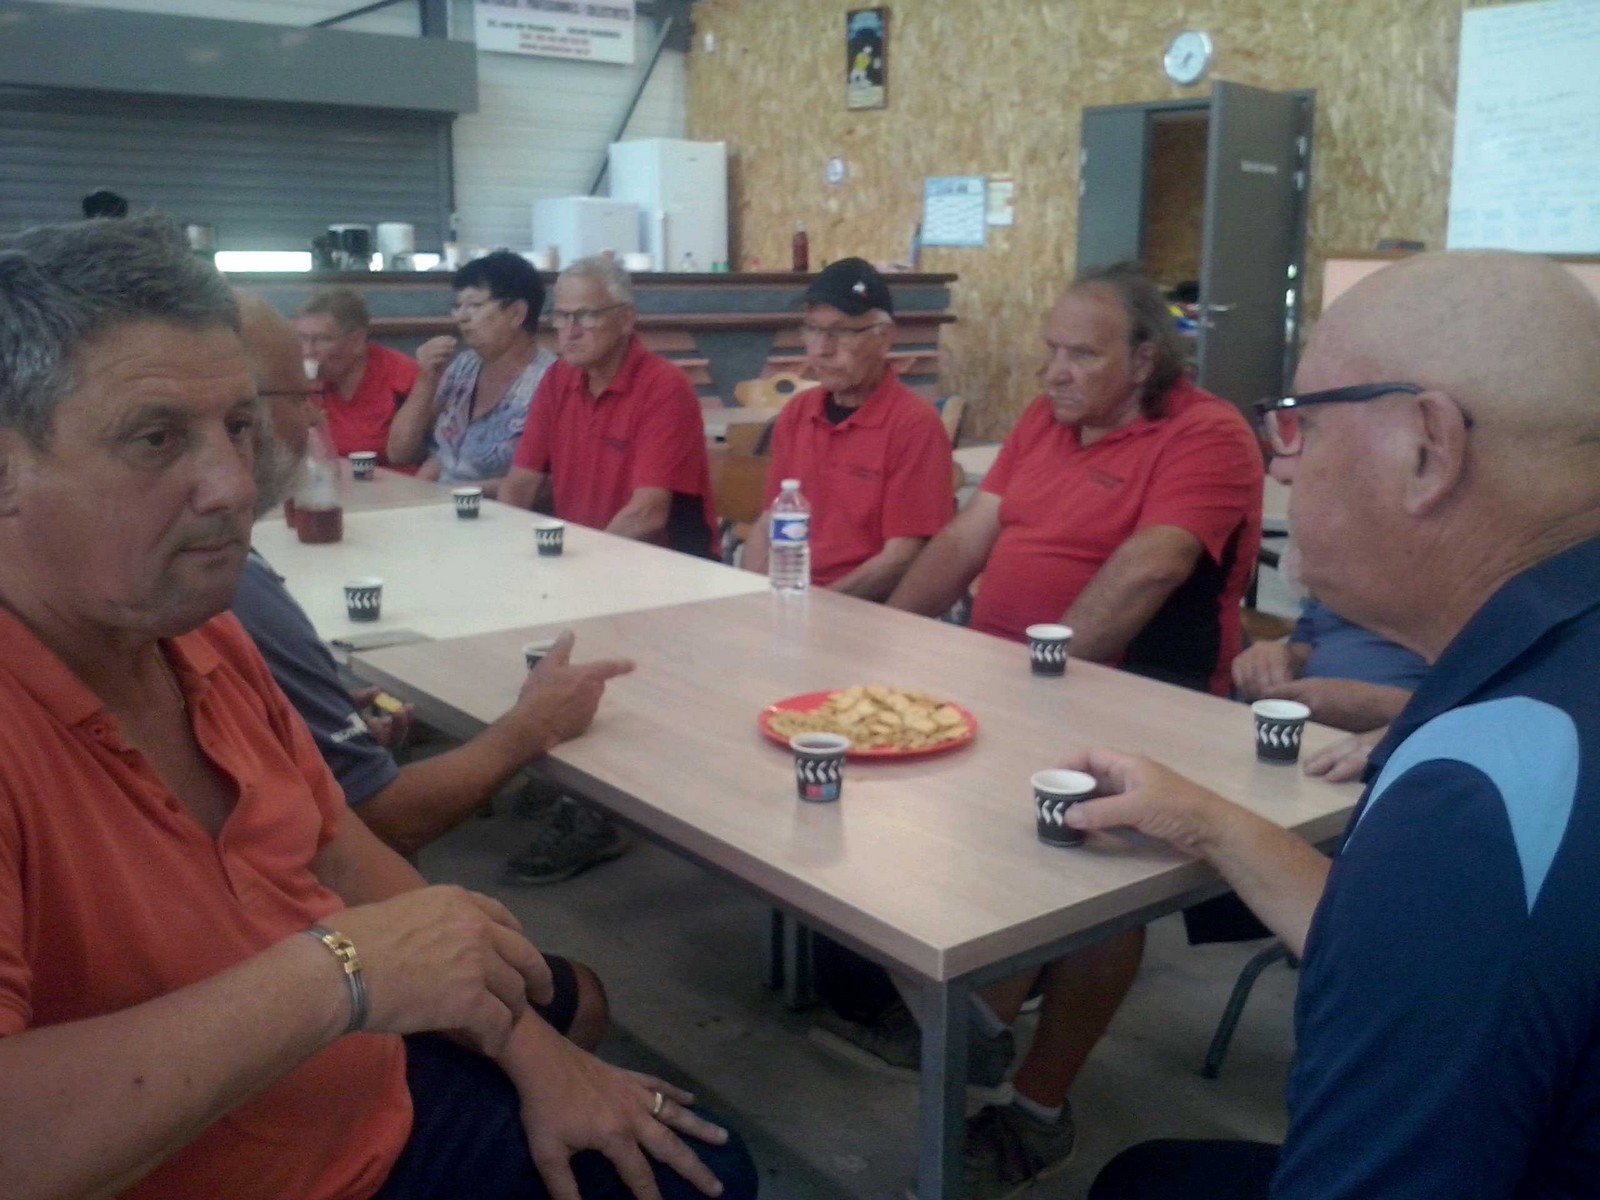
x: 349, y: 248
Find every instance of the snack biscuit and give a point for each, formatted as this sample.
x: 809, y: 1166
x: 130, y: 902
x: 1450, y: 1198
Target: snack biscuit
x: 877, y: 716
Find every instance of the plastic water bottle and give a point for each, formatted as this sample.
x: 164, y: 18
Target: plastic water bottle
x: 789, y: 555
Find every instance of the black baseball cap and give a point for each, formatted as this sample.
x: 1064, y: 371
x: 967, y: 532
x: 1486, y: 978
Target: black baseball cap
x: 853, y: 286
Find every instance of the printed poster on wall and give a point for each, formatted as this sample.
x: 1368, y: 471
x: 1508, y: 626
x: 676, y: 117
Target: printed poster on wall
x: 866, y: 38
x: 592, y: 30
x: 953, y: 208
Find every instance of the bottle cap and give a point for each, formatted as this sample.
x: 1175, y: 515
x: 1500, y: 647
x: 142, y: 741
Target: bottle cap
x: 791, y: 485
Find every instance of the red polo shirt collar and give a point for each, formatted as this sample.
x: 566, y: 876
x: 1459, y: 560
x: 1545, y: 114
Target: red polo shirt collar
x: 869, y: 414
x: 41, y: 673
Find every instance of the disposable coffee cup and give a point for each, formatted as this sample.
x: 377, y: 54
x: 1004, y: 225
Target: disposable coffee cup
x: 1054, y: 792
x: 533, y: 653
x: 363, y: 599
x: 1279, y: 727
x: 364, y: 464
x: 468, y: 500
x: 819, y: 765
x: 549, y: 536
x: 1047, y: 648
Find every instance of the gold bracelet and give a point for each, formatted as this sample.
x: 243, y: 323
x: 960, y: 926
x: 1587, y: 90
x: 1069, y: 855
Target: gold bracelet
x: 343, y: 949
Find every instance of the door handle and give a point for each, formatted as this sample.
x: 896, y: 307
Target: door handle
x: 1220, y: 308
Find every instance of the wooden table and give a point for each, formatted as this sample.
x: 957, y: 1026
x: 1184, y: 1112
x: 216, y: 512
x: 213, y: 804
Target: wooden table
x: 445, y: 577
x: 388, y: 489
x: 928, y: 866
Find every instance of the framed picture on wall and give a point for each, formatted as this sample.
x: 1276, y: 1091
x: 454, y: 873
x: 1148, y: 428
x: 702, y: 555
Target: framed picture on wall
x: 866, y: 37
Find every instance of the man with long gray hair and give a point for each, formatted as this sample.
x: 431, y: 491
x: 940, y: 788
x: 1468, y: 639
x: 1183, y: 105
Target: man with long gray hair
x: 205, y: 965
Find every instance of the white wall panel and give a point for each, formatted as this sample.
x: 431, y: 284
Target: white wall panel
x: 542, y: 127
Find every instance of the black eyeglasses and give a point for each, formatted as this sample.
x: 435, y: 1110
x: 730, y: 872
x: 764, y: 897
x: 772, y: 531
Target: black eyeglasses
x: 1280, y: 419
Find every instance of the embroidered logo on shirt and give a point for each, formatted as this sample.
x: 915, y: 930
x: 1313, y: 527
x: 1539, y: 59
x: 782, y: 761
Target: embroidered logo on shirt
x: 620, y: 445
x: 870, y: 474
x: 1106, y: 480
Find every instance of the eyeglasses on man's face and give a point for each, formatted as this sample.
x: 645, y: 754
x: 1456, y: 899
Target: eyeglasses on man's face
x: 583, y: 318
x: 1280, y: 419
x: 845, y: 335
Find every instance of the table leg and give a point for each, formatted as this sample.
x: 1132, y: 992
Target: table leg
x: 791, y: 960
x: 940, y: 1121
x: 798, y: 980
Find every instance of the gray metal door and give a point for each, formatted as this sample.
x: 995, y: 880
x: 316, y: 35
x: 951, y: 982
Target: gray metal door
x: 1258, y: 160
x: 1111, y: 184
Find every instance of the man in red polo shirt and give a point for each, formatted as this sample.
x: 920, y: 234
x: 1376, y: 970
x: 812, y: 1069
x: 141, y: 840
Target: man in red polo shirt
x: 363, y: 384
x: 1126, y: 503
x: 616, y: 432
x: 871, y: 455
x: 615, y: 429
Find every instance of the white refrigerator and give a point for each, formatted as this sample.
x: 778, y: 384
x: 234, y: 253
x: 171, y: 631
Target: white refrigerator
x: 578, y: 226
x: 681, y: 189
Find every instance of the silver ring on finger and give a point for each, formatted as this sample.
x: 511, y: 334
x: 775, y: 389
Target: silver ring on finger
x: 659, y: 1106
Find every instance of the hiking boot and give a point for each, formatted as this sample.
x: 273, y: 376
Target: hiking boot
x: 1007, y: 1152
x: 893, y: 1045
x: 573, y: 839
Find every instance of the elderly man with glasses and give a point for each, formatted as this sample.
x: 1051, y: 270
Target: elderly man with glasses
x: 871, y: 455
x: 616, y: 433
x: 1445, y: 455
x: 615, y: 430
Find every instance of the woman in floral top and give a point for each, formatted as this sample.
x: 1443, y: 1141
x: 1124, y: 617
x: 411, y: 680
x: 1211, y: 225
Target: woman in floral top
x: 465, y: 415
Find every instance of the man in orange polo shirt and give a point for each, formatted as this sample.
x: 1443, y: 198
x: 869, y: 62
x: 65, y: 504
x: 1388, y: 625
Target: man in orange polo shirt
x: 615, y: 429
x: 872, y: 456
x: 363, y: 384
x: 205, y: 964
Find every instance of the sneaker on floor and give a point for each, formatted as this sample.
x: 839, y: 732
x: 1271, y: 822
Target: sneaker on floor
x: 574, y: 838
x: 1007, y: 1152
x: 893, y: 1045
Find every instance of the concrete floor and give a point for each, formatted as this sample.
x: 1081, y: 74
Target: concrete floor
x: 682, y: 954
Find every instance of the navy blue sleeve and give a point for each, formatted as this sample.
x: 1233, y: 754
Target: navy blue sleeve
x: 305, y: 670
x: 1429, y: 1055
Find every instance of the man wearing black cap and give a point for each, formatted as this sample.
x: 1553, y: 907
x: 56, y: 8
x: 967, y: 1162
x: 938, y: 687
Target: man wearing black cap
x: 871, y: 455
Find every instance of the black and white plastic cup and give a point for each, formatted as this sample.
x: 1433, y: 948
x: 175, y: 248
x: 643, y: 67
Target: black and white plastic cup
x: 819, y: 765
x: 1054, y: 792
x: 1279, y: 727
x: 1047, y: 648
x: 363, y: 599
x: 468, y: 500
x: 533, y: 653
x: 363, y: 464
x: 549, y: 536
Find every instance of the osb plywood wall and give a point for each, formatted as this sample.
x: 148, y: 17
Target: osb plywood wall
x: 996, y: 87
